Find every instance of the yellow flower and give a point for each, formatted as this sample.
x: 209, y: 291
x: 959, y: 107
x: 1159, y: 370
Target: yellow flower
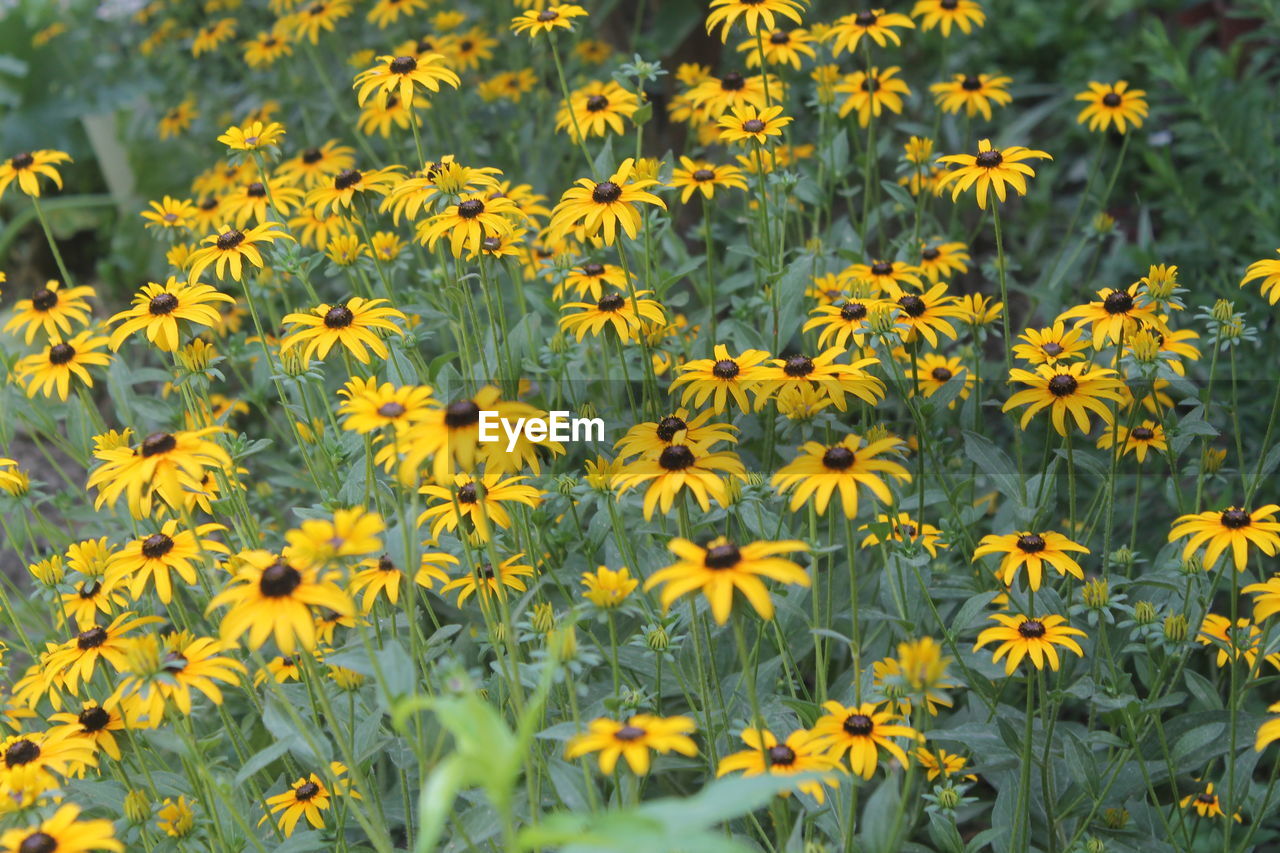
x: 990, y: 168
x: 353, y: 325
x: 802, y: 752
x: 64, y: 832
x: 862, y: 731
x: 531, y: 22
x: 1233, y: 528
x: 606, y: 588
x: 1112, y: 104
x: 253, y: 136
x: 1033, y: 551
x: 633, y: 739
x: 403, y: 75
x: 723, y: 567
x: 1030, y: 637
x: 158, y: 308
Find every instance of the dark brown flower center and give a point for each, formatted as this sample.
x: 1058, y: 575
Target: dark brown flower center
x: 156, y: 546
x: 21, y: 752
x: 971, y: 84
x: 306, y: 791
x: 312, y: 155
x: 870, y: 84
x: 629, y: 733
x: 44, y: 299
x: 161, y: 304
x: 347, y: 178
x: 61, y: 353
x: 386, y: 565
x: 403, y: 64
x: 725, y: 368
x: 669, y: 426
x: 1050, y: 348
x: 596, y: 103
x: 798, y: 365
x: 704, y: 175
x: 930, y: 254
x: 882, y: 268
x: 838, y: 458
x: 209, y: 204
x: 1117, y: 302
x: 279, y: 580
x: 90, y: 589
x: 256, y: 190
x: 338, y: 317
x: 1207, y: 799
x: 391, y: 409
x: 611, y: 302
x: 471, y: 208
x: 462, y: 413
x: 941, y: 374
x: 723, y: 556
x: 1234, y: 519
x: 753, y: 125
x: 606, y: 192
x: 1143, y: 433
x: 1063, y: 385
x: 782, y: 755
x: 467, y: 493
x: 677, y: 457
x: 158, y: 442
x: 858, y: 725
x: 22, y: 161
x: 989, y: 159
x: 1031, y: 543
x: 1111, y: 99
x: 1032, y: 629
x: 94, y: 719
x: 491, y: 244
x: 912, y: 304
x: 38, y: 842
x: 548, y: 15
x: 228, y: 241
x: 779, y: 37
x: 92, y: 638
x: 949, y: 5
x: 593, y: 270
x: 733, y: 82
x: 853, y: 311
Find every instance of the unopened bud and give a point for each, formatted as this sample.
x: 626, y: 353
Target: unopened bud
x: 1175, y: 627
x: 1144, y: 613
x: 544, y: 617
x: 948, y: 798
x: 1222, y: 310
x: 657, y: 639
x: 1115, y: 818
x: 1097, y: 593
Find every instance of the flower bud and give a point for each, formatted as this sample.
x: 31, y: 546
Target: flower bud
x: 565, y: 484
x: 137, y: 806
x: 1103, y: 223
x: 1145, y: 346
x: 657, y: 639
x: 1097, y: 593
x: 1212, y: 459
x: 1115, y: 818
x: 1144, y: 613
x: 1095, y: 845
x: 544, y: 617
x: 1175, y: 627
x: 948, y: 798
x: 882, y: 319
x: 1222, y: 310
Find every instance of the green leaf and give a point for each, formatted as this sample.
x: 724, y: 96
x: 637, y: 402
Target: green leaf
x: 261, y: 759
x: 995, y: 463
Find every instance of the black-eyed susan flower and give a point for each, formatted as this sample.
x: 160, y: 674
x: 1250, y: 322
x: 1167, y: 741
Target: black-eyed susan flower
x: 606, y: 588
x: 919, y: 672
x: 781, y: 47
x: 1112, y: 104
x: 91, y: 599
x: 51, y: 370
x: 1267, y: 269
x: 875, y: 24
x: 490, y: 580
x: 158, y: 674
x: 1233, y: 528
x: 824, y: 372
x: 1117, y: 314
x: 942, y: 260
x: 28, y: 167
x: 12, y: 480
x: 74, y: 662
x: 1147, y: 437
x: 212, y: 36
x: 932, y: 371
x: 626, y: 316
x: 801, y: 752
x: 255, y: 201
x: 973, y: 93
x: 979, y: 310
x: 341, y: 191
x: 403, y: 75
x: 164, y: 465
x: 1206, y: 803
x: 1032, y: 551
x: 721, y: 377
x: 470, y: 48
x: 1030, y: 637
x: 1241, y: 641
x: 943, y: 14
x: 927, y: 314
x: 1268, y: 732
x: 96, y: 724
x: 589, y: 281
x: 722, y: 567
x: 871, y: 92
x: 596, y: 109
x: 861, y: 731
x: 268, y: 596
x: 312, y: 166
x: 598, y: 208
x: 311, y: 19
x: 158, y: 308
x: 386, y: 12
x: 353, y: 325
x: 351, y: 532
x: 483, y: 503
x: 705, y: 177
x: 1266, y: 598
x: 532, y: 22
x: 633, y: 739
x: 52, y: 310
x: 467, y: 222
x: 884, y: 277
x: 724, y: 13
x: 991, y: 169
x: 679, y: 467
x: 169, y: 214
x: 147, y: 562
x: 1065, y: 389
x: 253, y: 136
x: 177, y: 120
x: 176, y: 818
x: 677, y: 427
x: 903, y: 528
x: 820, y: 470
x: 307, y: 797
x: 231, y: 247
x: 379, y: 115
x: 64, y: 832
x: 752, y: 124
x: 1051, y: 344
x: 939, y: 762
x: 267, y: 47
x: 369, y: 406
x: 842, y: 322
